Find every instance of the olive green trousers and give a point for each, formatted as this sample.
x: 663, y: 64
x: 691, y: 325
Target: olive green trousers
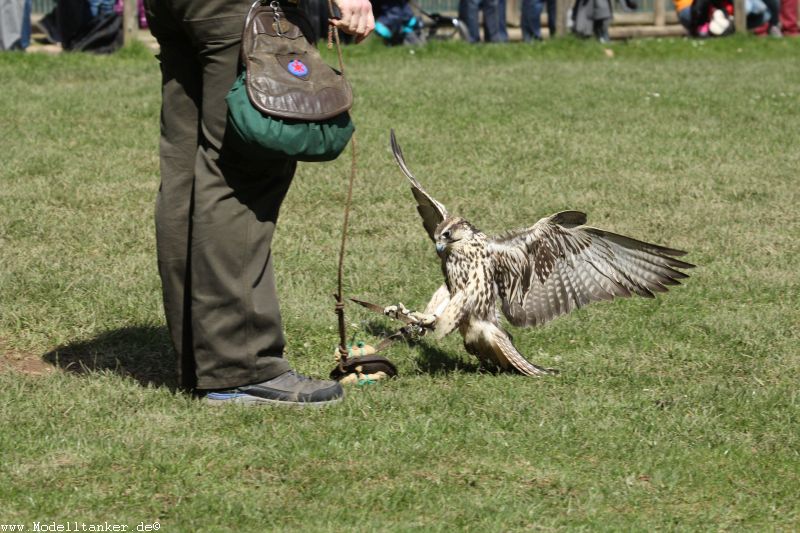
x: 216, y: 209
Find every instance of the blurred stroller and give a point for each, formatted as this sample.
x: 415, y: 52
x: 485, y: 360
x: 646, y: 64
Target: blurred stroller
x: 404, y: 22
x: 442, y: 27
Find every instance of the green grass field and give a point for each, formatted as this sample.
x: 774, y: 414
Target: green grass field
x: 680, y: 414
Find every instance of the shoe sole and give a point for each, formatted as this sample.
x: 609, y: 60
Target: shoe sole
x: 247, y: 399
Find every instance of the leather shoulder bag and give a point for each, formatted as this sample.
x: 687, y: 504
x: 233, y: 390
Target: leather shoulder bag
x: 287, y: 102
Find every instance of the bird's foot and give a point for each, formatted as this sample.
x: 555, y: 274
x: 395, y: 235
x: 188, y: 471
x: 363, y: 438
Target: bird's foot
x: 423, y: 320
x: 400, y: 312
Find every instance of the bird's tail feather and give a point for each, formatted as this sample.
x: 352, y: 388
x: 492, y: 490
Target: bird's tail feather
x: 506, y: 353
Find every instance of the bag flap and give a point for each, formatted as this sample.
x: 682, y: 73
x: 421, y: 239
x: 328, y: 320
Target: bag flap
x: 286, y: 75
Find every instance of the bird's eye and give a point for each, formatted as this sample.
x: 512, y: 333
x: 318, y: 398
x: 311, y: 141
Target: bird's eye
x: 446, y: 234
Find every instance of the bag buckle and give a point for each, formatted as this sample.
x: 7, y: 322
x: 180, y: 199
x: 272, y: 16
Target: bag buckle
x: 276, y: 14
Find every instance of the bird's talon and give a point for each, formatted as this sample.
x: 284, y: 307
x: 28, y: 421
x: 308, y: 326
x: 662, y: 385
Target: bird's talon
x: 423, y: 320
x: 398, y: 312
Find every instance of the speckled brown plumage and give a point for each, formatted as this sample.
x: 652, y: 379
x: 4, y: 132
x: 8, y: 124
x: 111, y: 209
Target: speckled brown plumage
x: 536, y: 274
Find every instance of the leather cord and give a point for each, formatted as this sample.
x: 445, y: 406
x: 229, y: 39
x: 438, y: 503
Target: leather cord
x: 333, y: 37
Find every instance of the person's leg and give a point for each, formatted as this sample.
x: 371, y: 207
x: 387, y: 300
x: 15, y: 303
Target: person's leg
x: 536, y: 19
x: 410, y: 26
x: 180, y: 135
x: 601, y: 30
x: 502, y: 27
x: 235, y: 319
x: 582, y: 24
x: 526, y: 20
x: 685, y: 17
x: 216, y: 216
x: 602, y: 15
x: 214, y: 221
x: 491, y: 21
x: 551, y: 17
x: 387, y: 23
x: 774, y: 13
x: 25, y: 37
x: 468, y: 13
x: 789, y: 17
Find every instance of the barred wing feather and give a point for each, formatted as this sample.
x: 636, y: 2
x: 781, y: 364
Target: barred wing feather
x: 431, y: 211
x: 558, y: 265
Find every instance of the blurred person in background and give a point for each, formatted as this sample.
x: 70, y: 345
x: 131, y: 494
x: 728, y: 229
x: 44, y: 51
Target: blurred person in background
x: 592, y: 18
x: 15, y: 24
x: 469, y: 11
x: 532, y: 19
x: 502, y: 24
x: 788, y: 18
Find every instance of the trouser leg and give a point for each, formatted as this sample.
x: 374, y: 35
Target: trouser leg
x: 538, y: 7
x: 180, y: 135
x: 789, y: 17
x: 468, y: 12
x: 685, y: 17
x: 601, y: 29
x: 502, y: 23
x: 526, y: 20
x: 216, y: 211
x: 25, y: 38
x: 491, y: 21
x: 774, y: 12
x: 236, y: 320
x: 551, y: 17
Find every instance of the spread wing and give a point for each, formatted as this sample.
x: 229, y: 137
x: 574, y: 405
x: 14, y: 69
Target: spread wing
x: 558, y: 265
x: 431, y: 211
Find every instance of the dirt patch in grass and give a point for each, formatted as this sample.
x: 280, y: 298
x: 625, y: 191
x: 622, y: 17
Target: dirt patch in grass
x: 24, y: 362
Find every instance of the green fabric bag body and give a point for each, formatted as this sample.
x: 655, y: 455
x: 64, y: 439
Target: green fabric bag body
x: 287, y: 102
x: 265, y: 136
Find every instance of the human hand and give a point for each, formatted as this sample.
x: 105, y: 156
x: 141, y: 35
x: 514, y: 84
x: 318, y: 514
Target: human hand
x: 356, y: 18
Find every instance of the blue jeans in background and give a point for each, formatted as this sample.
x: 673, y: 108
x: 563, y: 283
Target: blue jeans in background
x: 502, y: 29
x: 532, y: 18
x: 468, y: 12
x: 685, y: 18
x: 25, y: 36
x: 101, y: 7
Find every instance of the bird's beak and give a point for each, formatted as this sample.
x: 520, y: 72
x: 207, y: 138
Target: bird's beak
x: 439, y: 247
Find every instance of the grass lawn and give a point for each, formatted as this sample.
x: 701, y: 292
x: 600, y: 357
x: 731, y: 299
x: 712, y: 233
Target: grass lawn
x: 681, y: 413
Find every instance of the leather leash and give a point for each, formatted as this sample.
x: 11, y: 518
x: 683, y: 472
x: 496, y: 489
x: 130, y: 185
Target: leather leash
x: 333, y: 37
x: 368, y: 367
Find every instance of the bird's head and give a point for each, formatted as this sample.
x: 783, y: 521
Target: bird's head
x: 453, y: 232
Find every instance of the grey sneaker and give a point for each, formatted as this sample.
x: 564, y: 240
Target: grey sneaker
x: 290, y: 389
x: 775, y: 31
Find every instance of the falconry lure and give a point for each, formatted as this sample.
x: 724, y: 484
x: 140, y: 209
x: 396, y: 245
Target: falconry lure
x: 535, y: 274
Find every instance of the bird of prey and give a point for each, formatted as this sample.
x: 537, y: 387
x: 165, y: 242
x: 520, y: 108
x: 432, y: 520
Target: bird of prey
x: 535, y: 274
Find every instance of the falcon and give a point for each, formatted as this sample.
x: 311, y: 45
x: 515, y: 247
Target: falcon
x: 534, y: 274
